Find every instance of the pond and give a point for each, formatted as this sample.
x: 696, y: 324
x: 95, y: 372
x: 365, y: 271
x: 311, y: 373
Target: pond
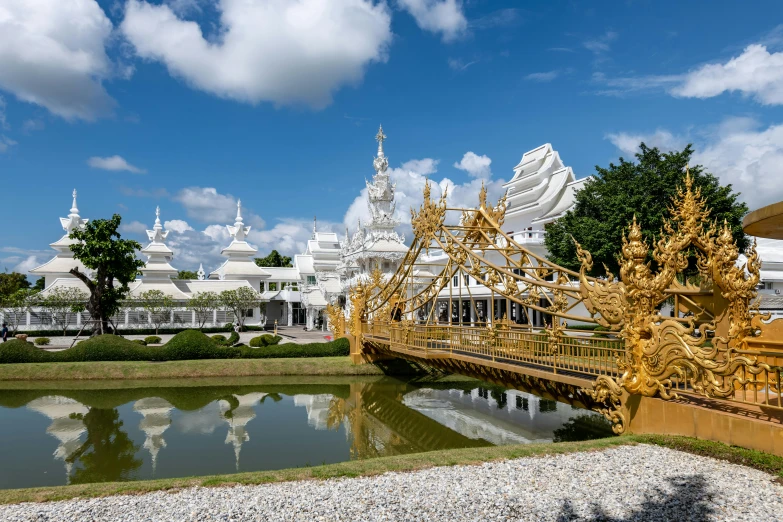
x: 62, y: 434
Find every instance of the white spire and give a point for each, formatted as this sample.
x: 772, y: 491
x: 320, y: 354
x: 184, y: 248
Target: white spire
x: 238, y: 230
x: 380, y: 138
x: 157, y: 234
x: 201, y: 274
x: 73, y: 221
x: 315, y: 229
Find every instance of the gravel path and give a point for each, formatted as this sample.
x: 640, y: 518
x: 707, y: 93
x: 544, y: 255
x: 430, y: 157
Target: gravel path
x: 626, y: 483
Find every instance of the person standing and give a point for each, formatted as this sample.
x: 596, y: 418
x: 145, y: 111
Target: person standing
x: 5, y: 332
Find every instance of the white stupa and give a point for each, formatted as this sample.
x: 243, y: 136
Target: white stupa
x: 240, y: 254
x: 60, y: 265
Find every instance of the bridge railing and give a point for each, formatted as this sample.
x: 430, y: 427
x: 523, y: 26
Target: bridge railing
x: 574, y: 352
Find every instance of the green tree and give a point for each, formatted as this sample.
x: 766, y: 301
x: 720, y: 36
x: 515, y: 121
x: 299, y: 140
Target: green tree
x: 187, y: 274
x: 60, y: 302
x: 39, y: 284
x: 108, y: 454
x: 113, y: 263
x: 11, y: 282
x: 203, y: 304
x: 239, y: 301
x: 16, y: 306
x: 158, y: 307
x: 274, y: 259
x: 607, y: 203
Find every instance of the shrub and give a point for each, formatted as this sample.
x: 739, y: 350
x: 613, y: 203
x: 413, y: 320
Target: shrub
x: 219, y: 338
x: 152, y: 339
x: 331, y: 349
x: 140, y: 341
x: 186, y: 345
x: 42, y: 341
x: 265, y: 340
x: 192, y: 344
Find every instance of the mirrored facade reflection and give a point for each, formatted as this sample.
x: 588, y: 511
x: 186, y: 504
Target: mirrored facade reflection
x: 142, y: 433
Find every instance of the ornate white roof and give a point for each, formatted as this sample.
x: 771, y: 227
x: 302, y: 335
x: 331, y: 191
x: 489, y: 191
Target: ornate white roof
x: 158, y: 253
x: 63, y: 261
x: 240, y: 253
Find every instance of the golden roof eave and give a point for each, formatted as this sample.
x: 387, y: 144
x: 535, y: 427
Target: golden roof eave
x: 765, y: 222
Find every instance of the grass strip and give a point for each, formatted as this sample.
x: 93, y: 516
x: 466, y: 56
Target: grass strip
x: 64, y: 371
x: 752, y: 458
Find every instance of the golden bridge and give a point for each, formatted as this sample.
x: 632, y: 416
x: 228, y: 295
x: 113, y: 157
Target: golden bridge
x: 674, y: 351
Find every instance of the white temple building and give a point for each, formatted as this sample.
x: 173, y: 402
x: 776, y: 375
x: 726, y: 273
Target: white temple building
x: 541, y: 190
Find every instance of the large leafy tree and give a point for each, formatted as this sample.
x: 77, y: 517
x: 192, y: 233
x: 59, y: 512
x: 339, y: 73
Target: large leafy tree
x: 274, y: 259
x: 187, y: 274
x: 113, y: 263
x: 643, y: 188
x: 60, y: 303
x: 16, y: 306
x: 11, y: 282
x: 203, y: 304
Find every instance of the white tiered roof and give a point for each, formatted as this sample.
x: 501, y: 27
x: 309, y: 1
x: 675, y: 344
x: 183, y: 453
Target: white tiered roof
x: 240, y: 253
x: 159, y: 255
x: 60, y: 265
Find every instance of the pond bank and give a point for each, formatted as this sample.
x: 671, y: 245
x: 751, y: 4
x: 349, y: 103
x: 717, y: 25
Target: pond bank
x: 570, y: 476
x: 114, y: 370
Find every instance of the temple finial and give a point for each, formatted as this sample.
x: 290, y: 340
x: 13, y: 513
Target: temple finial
x: 239, y: 211
x: 380, y: 138
x: 315, y: 223
x: 74, y: 208
x: 157, y: 218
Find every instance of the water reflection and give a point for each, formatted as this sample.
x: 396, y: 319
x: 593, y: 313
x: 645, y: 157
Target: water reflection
x: 139, y: 433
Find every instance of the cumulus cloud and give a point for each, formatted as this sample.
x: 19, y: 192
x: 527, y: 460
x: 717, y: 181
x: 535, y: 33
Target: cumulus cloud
x: 177, y: 225
x: 113, y: 163
x: 543, y: 77
x: 133, y: 227
x: 277, y: 51
x: 628, y: 143
x: 410, y: 178
x: 476, y: 166
x: 756, y: 73
x: 207, y: 205
x: 52, y: 53
x: 27, y: 264
x: 443, y: 17
x: 739, y: 151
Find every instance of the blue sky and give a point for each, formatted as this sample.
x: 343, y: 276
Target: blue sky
x: 190, y: 104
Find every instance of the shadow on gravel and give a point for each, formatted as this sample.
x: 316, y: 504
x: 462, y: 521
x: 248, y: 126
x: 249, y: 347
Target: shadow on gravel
x: 689, y: 501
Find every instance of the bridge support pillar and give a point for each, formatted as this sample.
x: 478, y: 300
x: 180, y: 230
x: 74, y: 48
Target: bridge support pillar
x: 702, y: 420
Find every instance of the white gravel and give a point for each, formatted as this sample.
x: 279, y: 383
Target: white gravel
x: 627, y: 483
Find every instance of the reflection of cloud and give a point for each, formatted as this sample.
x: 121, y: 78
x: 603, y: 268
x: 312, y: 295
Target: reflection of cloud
x: 203, y: 421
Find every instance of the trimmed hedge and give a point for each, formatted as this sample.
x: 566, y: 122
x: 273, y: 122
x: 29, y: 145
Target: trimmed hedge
x: 42, y: 341
x: 134, y: 331
x: 186, y: 345
x: 218, y: 338
x: 265, y: 340
x: 153, y: 339
x: 336, y: 348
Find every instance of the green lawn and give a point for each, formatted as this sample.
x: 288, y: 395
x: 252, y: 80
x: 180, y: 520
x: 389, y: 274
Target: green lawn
x: 58, y: 371
x: 755, y: 459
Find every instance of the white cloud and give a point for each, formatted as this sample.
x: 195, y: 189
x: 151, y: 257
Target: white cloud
x: 410, y: 179
x: 27, y: 264
x: 756, y: 73
x: 52, y: 53
x: 476, y: 166
x: 438, y: 16
x: 3, y: 121
x: 134, y: 227
x: 113, y: 163
x: 547, y: 76
x: 5, y: 143
x: 32, y: 125
x: 458, y: 64
x: 278, y: 51
x: 207, y: 205
x: 177, y: 225
x: 601, y: 44
x: 628, y: 143
x: 738, y: 151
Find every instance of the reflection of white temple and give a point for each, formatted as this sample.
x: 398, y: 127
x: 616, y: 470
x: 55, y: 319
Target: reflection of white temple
x: 238, y: 419
x: 317, y: 407
x: 524, y: 418
x: 157, y: 419
x: 64, y: 427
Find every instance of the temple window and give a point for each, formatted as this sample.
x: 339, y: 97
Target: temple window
x: 272, y: 286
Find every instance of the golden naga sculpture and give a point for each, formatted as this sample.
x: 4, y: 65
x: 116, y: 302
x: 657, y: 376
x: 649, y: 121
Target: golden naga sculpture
x: 663, y: 354
x: 336, y: 320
